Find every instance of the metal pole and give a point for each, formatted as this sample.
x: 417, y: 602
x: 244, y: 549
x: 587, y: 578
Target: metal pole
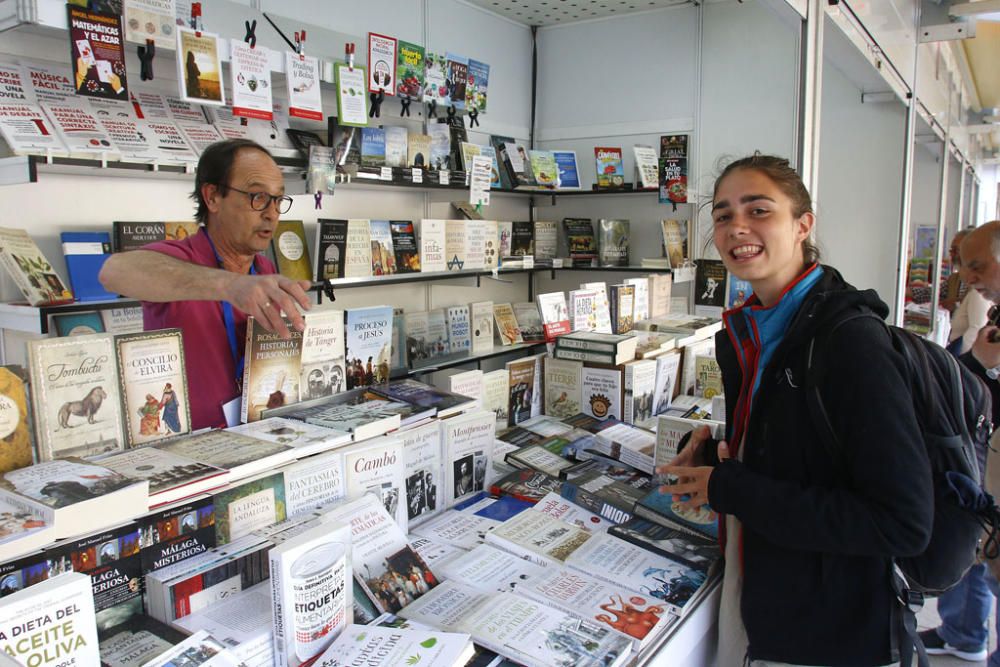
x: 902, y: 257
x: 812, y: 87
x: 961, y: 200
x: 935, y: 268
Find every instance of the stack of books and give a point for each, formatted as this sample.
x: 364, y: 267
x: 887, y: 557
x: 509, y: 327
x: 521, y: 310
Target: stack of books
x: 612, y: 349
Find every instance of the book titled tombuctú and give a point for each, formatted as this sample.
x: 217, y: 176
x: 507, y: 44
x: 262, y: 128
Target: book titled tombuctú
x: 75, y: 396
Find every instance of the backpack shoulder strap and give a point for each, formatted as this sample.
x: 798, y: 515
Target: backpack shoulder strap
x: 816, y: 365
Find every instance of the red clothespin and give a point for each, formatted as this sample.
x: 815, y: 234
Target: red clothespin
x: 300, y: 44
x: 349, y: 52
x: 196, y: 18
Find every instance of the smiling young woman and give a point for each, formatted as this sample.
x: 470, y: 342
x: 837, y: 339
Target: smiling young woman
x: 808, y: 542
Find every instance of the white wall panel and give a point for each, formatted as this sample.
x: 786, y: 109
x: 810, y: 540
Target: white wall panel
x: 893, y: 25
x: 581, y: 84
x: 860, y: 184
x: 750, y: 58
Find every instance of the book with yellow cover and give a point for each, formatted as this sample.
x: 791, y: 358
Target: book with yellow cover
x: 291, y: 253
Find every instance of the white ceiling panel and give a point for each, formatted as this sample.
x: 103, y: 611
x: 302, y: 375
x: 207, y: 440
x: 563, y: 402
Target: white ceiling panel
x: 561, y: 12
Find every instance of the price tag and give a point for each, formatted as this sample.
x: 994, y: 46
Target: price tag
x: 557, y: 263
x: 386, y: 174
x: 683, y: 274
x: 444, y: 177
x: 529, y: 261
x: 418, y: 175
x: 481, y: 172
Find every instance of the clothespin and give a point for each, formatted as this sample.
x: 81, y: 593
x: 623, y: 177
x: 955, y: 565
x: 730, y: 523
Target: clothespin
x: 146, y: 54
x: 474, y: 117
x: 318, y: 196
x: 479, y: 208
x: 404, y: 106
x: 349, y: 52
x: 300, y: 44
x: 196, y: 23
x: 377, y: 99
x: 251, y: 37
x: 432, y: 109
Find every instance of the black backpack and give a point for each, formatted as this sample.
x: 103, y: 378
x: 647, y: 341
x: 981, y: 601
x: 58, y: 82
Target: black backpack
x: 954, y: 411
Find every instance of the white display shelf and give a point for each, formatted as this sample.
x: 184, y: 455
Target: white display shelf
x: 221, y: 17
x: 35, y: 319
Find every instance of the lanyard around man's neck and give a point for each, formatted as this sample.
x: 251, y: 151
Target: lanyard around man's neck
x: 229, y: 319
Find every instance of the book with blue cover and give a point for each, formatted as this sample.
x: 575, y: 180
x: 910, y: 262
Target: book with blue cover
x: 569, y: 177
x: 661, y: 508
x: 420, y: 394
x: 372, y: 147
x: 369, y: 345
x: 85, y: 254
x: 78, y: 324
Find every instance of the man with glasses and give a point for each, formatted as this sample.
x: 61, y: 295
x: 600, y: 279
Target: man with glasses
x: 965, y: 609
x: 208, y: 283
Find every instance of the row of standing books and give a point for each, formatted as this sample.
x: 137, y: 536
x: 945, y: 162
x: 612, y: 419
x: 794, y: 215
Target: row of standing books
x: 354, y: 248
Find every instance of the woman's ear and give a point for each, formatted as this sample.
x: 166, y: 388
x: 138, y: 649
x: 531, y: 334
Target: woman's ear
x: 804, y: 226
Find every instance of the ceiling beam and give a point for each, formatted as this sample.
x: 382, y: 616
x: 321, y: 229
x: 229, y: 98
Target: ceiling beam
x: 967, y: 77
x: 974, y: 8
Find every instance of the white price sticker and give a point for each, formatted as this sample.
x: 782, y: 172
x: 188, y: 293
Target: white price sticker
x: 444, y: 177
x: 529, y: 261
x: 386, y: 173
x: 418, y: 175
x: 481, y: 172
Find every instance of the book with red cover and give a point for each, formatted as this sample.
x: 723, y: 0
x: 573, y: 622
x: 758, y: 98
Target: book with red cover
x: 527, y: 485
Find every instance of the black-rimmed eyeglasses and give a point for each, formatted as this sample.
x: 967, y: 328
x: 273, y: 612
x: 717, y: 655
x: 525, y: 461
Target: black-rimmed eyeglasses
x: 259, y: 201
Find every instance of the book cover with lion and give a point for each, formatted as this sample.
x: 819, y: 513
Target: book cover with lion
x: 75, y: 396
x: 153, y: 385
